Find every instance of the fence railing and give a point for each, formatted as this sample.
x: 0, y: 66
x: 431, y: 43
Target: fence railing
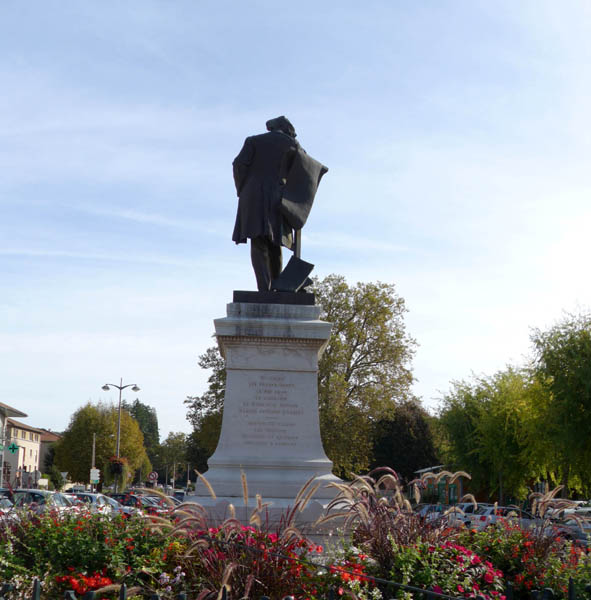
x: 384, y: 584
x: 423, y: 594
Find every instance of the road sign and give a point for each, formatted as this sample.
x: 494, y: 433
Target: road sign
x: 153, y: 476
x: 13, y: 448
x: 95, y: 475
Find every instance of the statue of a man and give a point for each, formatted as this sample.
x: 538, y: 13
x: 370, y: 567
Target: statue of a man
x: 259, y: 177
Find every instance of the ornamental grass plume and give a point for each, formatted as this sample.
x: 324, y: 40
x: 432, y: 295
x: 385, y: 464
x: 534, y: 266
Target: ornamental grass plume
x: 248, y: 561
x: 379, y: 517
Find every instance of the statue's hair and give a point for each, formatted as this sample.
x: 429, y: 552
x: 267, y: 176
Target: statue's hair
x: 281, y: 124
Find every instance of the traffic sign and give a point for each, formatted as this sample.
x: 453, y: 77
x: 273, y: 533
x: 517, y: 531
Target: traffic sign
x: 153, y: 476
x: 13, y: 448
x: 95, y: 475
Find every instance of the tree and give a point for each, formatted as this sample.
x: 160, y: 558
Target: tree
x: 73, y: 452
x: 491, y: 425
x: 212, y: 401
x: 147, y: 420
x: 365, y: 369
x: 404, y: 441
x: 563, y: 365
x: 55, y: 477
x: 173, y: 453
x: 363, y: 373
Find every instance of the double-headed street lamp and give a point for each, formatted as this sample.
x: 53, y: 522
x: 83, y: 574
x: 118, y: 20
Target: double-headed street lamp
x: 120, y: 387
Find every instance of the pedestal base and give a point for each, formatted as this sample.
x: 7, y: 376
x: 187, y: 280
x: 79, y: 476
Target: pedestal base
x: 270, y: 427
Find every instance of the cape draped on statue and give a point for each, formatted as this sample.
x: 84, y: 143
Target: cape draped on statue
x: 268, y: 207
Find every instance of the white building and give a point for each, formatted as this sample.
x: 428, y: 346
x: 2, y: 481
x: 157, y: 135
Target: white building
x: 24, y: 461
x: 6, y: 456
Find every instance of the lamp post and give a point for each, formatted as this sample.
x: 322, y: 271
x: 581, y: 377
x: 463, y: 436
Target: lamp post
x: 120, y: 387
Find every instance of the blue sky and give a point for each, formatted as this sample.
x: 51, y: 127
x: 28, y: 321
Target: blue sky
x: 457, y: 134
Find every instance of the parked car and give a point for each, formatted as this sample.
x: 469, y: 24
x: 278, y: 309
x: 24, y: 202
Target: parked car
x: 487, y: 515
x: 96, y: 502
x: 141, y: 503
x: 40, y: 500
x: 5, y: 505
x: 459, y: 514
x: 164, y: 501
x: 430, y: 512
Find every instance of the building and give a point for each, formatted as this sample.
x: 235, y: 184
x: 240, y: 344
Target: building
x: 443, y: 487
x: 24, y: 461
x: 6, y: 464
x: 48, y: 439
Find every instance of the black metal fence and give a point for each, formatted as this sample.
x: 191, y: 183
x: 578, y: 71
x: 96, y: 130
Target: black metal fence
x: 422, y: 594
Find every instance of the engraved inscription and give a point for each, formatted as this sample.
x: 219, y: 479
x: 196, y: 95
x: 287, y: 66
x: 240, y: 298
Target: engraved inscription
x: 269, y: 412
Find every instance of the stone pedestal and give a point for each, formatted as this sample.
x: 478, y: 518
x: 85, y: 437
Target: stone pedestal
x: 270, y: 428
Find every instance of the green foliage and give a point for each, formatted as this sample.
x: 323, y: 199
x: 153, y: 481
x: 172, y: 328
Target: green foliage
x: 73, y: 452
x: 563, y: 365
x: 55, y: 477
x: 147, y: 419
x: 448, y: 568
x: 491, y: 427
x: 53, y: 545
x: 365, y: 369
x: 173, y: 455
x: 404, y: 441
x: 530, y: 559
x: 363, y: 373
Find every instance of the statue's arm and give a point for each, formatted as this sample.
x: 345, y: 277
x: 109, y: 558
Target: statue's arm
x: 242, y: 163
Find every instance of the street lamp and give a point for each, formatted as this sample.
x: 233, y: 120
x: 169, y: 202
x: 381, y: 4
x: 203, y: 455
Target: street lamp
x: 120, y: 387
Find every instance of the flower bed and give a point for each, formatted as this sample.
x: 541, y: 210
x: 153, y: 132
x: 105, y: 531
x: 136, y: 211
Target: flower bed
x: 384, y: 541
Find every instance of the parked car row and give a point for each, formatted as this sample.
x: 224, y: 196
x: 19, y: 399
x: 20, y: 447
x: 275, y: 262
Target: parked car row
x: 575, y: 525
x: 124, y: 503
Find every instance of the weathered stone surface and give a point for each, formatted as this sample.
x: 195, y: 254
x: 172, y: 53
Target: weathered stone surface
x: 270, y: 427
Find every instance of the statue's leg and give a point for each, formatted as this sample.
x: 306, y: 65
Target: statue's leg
x: 259, y: 256
x: 275, y: 260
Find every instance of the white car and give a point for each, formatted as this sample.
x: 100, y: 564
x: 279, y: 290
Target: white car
x: 41, y: 500
x: 489, y: 514
x: 462, y: 516
x: 104, y: 504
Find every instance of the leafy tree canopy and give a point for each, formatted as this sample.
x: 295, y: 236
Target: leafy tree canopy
x: 404, y: 441
x: 73, y: 452
x: 563, y: 365
x: 147, y: 420
x: 491, y: 426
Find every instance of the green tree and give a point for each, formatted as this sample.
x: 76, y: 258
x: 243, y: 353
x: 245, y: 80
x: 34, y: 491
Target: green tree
x: 404, y: 441
x: 491, y: 425
x: 147, y: 419
x: 363, y: 373
x: 55, y: 477
x: 73, y: 452
x: 173, y: 454
x: 365, y: 369
x: 563, y: 365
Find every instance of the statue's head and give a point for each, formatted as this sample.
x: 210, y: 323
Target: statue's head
x: 281, y: 124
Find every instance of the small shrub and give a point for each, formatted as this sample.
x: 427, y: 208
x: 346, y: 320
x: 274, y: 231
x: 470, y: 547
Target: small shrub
x: 447, y: 568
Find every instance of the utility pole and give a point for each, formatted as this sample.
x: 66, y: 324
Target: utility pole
x: 93, y: 456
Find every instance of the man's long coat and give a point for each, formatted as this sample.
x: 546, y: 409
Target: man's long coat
x: 257, y: 175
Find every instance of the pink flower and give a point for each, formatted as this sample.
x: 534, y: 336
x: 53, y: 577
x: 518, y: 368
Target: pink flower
x: 460, y: 589
x: 489, y: 577
x: 475, y: 560
x: 437, y: 589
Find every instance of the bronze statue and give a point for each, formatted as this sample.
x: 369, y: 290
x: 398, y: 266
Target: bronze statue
x: 276, y: 182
